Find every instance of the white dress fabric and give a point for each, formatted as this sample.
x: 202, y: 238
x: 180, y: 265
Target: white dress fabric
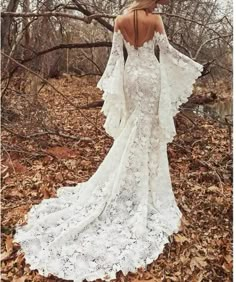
x: 119, y: 219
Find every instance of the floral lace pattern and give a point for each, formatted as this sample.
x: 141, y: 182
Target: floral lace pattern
x: 178, y: 74
x: 114, y: 107
x: 119, y: 219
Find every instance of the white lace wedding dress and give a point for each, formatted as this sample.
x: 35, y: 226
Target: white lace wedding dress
x: 120, y: 219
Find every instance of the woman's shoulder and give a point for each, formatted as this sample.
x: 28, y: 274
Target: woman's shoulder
x: 124, y: 15
x: 119, y: 19
x: 156, y: 16
x: 118, y: 22
x: 123, y: 19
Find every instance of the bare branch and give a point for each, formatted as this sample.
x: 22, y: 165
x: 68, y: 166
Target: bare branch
x: 86, y: 19
x: 209, y: 40
x: 60, y: 46
x: 53, y: 87
x: 89, y: 16
x: 88, y: 13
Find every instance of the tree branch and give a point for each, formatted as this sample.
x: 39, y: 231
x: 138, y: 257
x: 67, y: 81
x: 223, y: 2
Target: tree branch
x: 86, y: 19
x: 90, y: 14
x: 68, y: 46
x: 53, y: 87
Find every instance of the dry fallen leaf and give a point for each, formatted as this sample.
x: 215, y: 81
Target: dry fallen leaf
x: 181, y: 238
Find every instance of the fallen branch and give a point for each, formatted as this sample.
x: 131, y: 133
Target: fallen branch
x: 47, y: 132
x: 35, y: 154
x: 95, y: 104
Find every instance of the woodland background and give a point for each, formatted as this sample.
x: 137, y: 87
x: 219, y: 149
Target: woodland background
x: 52, y: 55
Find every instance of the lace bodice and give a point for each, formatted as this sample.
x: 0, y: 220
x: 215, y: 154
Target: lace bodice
x: 146, y: 51
x: 173, y: 77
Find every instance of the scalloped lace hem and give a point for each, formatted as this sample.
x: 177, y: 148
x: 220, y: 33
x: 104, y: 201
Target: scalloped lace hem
x: 109, y: 275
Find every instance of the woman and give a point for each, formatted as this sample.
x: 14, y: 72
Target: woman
x: 120, y: 219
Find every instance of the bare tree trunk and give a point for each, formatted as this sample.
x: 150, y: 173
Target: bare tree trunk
x: 7, y: 21
x: 26, y: 39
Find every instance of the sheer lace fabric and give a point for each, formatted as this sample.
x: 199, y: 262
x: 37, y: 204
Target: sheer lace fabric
x: 120, y: 219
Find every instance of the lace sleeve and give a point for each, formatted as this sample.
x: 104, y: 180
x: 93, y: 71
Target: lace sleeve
x: 111, y: 83
x: 178, y: 74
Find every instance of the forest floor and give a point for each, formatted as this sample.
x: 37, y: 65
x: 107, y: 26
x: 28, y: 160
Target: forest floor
x: 35, y: 166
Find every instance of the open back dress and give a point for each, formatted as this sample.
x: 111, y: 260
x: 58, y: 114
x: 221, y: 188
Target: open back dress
x: 121, y: 218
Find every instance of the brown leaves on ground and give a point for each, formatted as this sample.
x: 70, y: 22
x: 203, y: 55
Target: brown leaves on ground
x: 201, y: 171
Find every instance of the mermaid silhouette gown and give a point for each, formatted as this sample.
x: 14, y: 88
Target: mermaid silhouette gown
x: 119, y: 219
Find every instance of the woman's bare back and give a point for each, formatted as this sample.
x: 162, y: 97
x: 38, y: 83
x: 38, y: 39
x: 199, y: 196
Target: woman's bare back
x: 148, y: 23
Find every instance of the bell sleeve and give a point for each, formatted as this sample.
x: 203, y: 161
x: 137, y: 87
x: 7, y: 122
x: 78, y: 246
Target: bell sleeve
x: 111, y: 82
x: 178, y: 74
